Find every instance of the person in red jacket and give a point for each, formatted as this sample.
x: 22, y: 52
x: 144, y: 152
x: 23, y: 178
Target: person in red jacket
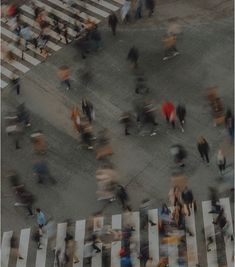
x: 168, y: 110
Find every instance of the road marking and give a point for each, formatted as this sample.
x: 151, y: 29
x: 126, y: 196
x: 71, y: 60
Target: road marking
x: 60, y: 236
x: 7, y: 73
x: 116, y: 245
x: 3, y: 84
x: 42, y: 253
x: 105, y: 4
x: 153, y: 236
x: 96, y: 260
x: 191, y: 240
x: 92, y: 8
x: 23, y: 247
x: 229, y: 245
x: 209, y: 232
x: 79, y: 238
x: 6, y: 248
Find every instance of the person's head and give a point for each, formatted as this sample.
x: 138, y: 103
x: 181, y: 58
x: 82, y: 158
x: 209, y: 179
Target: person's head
x: 201, y: 140
x: 38, y: 210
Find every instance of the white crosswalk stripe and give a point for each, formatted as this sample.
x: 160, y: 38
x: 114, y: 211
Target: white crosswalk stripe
x: 6, y: 249
x: 209, y: 233
x: 6, y: 72
x: 120, y: 221
x: 94, y: 11
x: 153, y: 235
x: 191, y: 240
x: 23, y: 247
x: 229, y: 245
x: 116, y: 245
x: 79, y: 238
x: 96, y: 260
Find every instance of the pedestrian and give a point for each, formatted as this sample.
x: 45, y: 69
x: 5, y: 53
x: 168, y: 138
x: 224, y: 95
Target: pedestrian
x: 76, y: 118
x: 37, y: 236
x: 14, y: 245
x: 203, y: 148
x: 187, y: 197
x: 41, y: 219
x: 27, y: 198
x: 179, y: 153
x: 122, y: 195
x: 96, y: 38
x: 149, y: 116
x: 23, y: 115
x: 229, y: 123
x: 133, y: 56
x: 138, y: 12
x: 125, y: 119
x: 181, y: 113
x: 88, y: 110
x: 16, y: 83
x: 86, y: 133
x: 64, y: 74
x: 168, y: 110
x: 41, y: 170
x: 113, y: 21
x: 65, y: 33
x: 125, y: 11
x: 170, y: 46
x: 221, y: 161
x: 150, y: 5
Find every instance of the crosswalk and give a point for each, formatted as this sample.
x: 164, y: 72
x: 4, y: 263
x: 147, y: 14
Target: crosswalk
x: 81, y: 10
x: 119, y: 221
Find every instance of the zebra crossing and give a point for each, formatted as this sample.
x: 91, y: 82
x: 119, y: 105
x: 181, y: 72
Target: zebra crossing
x: 93, y: 10
x: 117, y: 222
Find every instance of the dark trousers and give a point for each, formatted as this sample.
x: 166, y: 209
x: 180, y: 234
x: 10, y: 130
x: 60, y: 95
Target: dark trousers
x: 67, y: 83
x: 138, y: 14
x: 221, y: 167
x: 205, y: 156
x: 29, y: 209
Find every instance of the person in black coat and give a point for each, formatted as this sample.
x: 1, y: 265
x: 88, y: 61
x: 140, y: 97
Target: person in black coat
x: 150, y: 4
x: 181, y: 113
x: 203, y: 148
x: 87, y: 109
x: 113, y: 21
x: 133, y: 56
x: 187, y: 197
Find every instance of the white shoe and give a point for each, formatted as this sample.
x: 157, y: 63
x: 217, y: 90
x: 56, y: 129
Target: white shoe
x: 152, y: 134
x: 67, y: 88
x: 176, y: 53
x: 90, y: 147
x: 182, y: 130
x: 165, y: 58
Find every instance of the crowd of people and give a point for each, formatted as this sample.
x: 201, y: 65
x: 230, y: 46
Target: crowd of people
x: 172, y: 221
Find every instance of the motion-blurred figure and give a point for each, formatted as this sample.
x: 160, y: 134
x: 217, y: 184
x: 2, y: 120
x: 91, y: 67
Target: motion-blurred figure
x: 203, y: 148
x: 104, y: 148
x: 181, y: 113
x: 170, y: 46
x: 42, y: 172
x: 229, y: 122
x: 179, y: 153
x: 88, y: 110
x: 221, y: 161
x: 113, y: 21
x: 126, y: 120
x: 133, y: 56
x: 168, y: 110
x: 64, y: 74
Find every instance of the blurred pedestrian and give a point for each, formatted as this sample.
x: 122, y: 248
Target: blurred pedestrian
x: 14, y: 245
x: 133, y: 56
x: 96, y: 38
x: 65, y: 33
x: 203, y: 148
x: 187, y: 197
x: 64, y: 74
x: 229, y: 122
x: 179, y: 153
x: 37, y: 236
x: 88, y: 110
x: 170, y: 46
x: 125, y: 119
x: 27, y: 199
x: 41, y: 170
x: 16, y: 83
x: 138, y: 12
x: 150, y: 116
x: 150, y: 5
x: 76, y: 118
x: 221, y: 161
x: 87, y: 133
x: 125, y: 11
x: 168, y: 110
x: 41, y: 219
x: 23, y: 115
x: 181, y: 113
x: 113, y: 21
x: 122, y: 195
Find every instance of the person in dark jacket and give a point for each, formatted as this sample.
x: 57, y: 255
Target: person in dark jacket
x: 133, y: 56
x: 229, y: 122
x: 187, y: 197
x: 150, y: 4
x: 87, y: 109
x: 122, y: 195
x: 96, y: 37
x: 113, y: 21
x: 125, y: 119
x: 181, y: 113
x: 203, y: 148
